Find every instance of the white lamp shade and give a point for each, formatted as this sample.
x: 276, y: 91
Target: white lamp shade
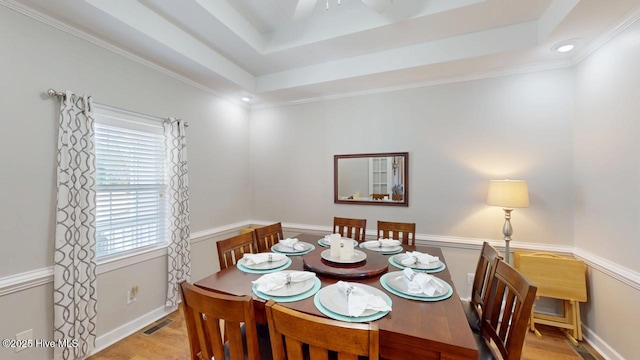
x: 508, y: 193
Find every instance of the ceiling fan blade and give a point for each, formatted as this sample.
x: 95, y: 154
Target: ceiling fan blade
x: 377, y: 5
x: 303, y: 9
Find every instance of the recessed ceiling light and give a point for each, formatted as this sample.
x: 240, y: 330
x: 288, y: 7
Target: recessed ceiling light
x: 245, y: 98
x: 565, y: 46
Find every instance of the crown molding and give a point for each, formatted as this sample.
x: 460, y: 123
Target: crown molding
x: 632, y: 17
x: 629, y: 19
x: 57, y: 24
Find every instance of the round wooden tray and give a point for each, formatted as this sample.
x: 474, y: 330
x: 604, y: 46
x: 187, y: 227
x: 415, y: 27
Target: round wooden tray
x: 374, y: 265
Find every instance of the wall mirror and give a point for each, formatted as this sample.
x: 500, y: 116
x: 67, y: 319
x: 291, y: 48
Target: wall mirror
x: 371, y: 179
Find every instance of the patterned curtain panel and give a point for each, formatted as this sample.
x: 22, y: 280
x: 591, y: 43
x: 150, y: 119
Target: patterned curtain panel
x: 179, y: 251
x: 74, y: 283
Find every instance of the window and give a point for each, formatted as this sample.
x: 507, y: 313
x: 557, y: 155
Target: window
x: 130, y: 182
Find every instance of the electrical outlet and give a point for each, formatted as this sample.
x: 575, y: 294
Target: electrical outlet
x: 23, y: 339
x: 132, y: 294
x: 470, y: 277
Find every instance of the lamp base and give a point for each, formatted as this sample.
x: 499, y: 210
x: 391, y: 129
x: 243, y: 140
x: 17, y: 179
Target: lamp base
x: 507, y: 230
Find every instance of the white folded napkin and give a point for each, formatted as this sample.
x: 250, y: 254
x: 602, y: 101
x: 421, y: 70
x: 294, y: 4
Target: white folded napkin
x: 327, y: 239
x: 277, y: 280
x: 359, y: 300
x: 292, y: 243
x: 381, y: 243
x: 416, y: 256
x: 254, y: 259
x: 421, y: 283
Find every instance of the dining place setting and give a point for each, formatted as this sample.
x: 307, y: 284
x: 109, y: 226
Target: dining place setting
x: 417, y: 261
x: 386, y: 281
x: 346, y: 300
x: 383, y: 246
x: 292, y: 246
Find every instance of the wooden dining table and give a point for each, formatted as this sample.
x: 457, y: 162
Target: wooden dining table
x: 412, y: 330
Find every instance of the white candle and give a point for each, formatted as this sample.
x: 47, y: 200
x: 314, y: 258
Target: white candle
x: 346, y: 252
x: 334, y: 240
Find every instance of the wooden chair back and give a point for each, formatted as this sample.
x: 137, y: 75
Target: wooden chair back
x: 232, y: 249
x: 398, y: 231
x: 351, y: 228
x: 379, y: 196
x: 507, y: 311
x: 267, y: 236
x: 203, y: 311
x: 289, y: 330
x: 489, y: 257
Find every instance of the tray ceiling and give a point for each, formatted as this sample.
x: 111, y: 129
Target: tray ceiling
x: 255, y: 48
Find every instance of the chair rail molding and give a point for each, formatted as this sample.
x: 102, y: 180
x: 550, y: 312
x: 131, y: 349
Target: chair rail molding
x: 26, y: 280
x: 33, y: 278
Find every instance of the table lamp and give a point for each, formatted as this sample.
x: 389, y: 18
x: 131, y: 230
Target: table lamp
x: 508, y: 194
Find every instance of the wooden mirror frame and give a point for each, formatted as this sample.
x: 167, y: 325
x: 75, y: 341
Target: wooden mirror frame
x: 367, y: 201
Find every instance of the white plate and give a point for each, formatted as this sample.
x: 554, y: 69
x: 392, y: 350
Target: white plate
x: 323, y: 242
x: 335, y: 300
x: 398, y: 282
x: 263, y: 266
x: 384, y: 249
x: 286, y: 249
x: 430, y: 266
x: 358, y: 256
x: 295, y: 288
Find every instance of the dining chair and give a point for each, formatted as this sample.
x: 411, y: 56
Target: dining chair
x: 505, y: 319
x: 398, y: 231
x: 351, y: 228
x: 292, y: 331
x: 232, y: 249
x: 267, y: 236
x: 473, y: 308
x: 203, y: 311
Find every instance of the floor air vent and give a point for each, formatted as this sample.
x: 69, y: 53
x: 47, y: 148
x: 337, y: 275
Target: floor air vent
x: 152, y: 330
x: 581, y: 350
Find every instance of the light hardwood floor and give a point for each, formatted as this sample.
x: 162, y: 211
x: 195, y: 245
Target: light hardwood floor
x: 171, y: 342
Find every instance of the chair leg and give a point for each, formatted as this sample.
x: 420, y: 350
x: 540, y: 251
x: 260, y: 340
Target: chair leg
x: 576, y: 305
x: 532, y: 326
x: 568, y: 335
x: 570, y: 317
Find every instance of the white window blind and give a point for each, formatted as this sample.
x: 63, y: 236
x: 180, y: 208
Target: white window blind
x: 130, y: 174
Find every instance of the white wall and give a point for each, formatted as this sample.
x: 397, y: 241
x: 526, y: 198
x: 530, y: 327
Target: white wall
x: 607, y: 181
x: 36, y: 57
x: 458, y: 137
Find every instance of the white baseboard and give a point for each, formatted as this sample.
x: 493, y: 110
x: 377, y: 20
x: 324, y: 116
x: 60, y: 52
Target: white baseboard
x: 129, y: 328
x: 600, y: 345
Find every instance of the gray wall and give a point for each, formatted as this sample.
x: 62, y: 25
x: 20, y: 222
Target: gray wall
x: 607, y: 183
x: 35, y: 57
x: 458, y: 137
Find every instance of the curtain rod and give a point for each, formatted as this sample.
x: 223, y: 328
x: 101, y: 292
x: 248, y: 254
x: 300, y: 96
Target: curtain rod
x: 53, y: 93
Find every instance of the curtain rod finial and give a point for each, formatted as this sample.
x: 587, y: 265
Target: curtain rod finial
x: 52, y: 92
